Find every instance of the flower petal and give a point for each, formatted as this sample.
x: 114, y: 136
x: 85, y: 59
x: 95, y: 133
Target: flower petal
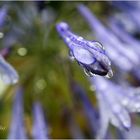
x: 83, y: 55
x: 8, y: 73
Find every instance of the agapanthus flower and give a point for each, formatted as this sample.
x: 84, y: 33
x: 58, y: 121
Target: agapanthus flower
x: 127, y: 24
x: 134, y: 133
x: 30, y: 14
x: 90, y: 111
x: 116, y: 102
x: 130, y: 10
x: 116, y: 50
x: 128, y: 39
x: 7, y: 73
x: 17, y: 129
x: 118, y: 29
x: 3, y: 14
x: 40, y: 129
x: 89, y: 54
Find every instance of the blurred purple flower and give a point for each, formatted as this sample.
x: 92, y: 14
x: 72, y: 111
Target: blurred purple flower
x: 7, y: 72
x: 128, y: 39
x: 89, y: 54
x: 127, y: 24
x: 130, y: 9
x: 17, y: 129
x: 115, y: 103
x: 117, y: 28
x: 90, y: 111
x: 3, y: 14
x: 116, y: 50
x: 134, y: 133
x: 40, y: 130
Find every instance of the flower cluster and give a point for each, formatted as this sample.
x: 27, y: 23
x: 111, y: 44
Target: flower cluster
x: 28, y: 30
x: 115, y: 103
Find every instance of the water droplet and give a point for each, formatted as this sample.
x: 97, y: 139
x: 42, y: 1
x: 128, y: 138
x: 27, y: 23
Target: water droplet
x: 67, y: 39
x: 99, y: 45
x: 71, y: 55
x: 80, y: 38
x: 89, y: 73
x: 109, y: 74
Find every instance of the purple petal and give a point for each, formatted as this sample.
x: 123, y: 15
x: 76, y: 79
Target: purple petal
x: 83, y: 55
x: 7, y: 72
x: 40, y: 130
x: 17, y: 130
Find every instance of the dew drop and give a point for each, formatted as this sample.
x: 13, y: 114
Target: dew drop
x: 80, y: 38
x: 99, y: 45
x: 109, y: 74
x: 89, y: 73
x: 67, y: 39
x: 71, y: 55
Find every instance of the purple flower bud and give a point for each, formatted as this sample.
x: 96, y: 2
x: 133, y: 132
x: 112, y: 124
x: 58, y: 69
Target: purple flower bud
x: 89, y: 54
x: 17, y: 130
x: 40, y: 130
